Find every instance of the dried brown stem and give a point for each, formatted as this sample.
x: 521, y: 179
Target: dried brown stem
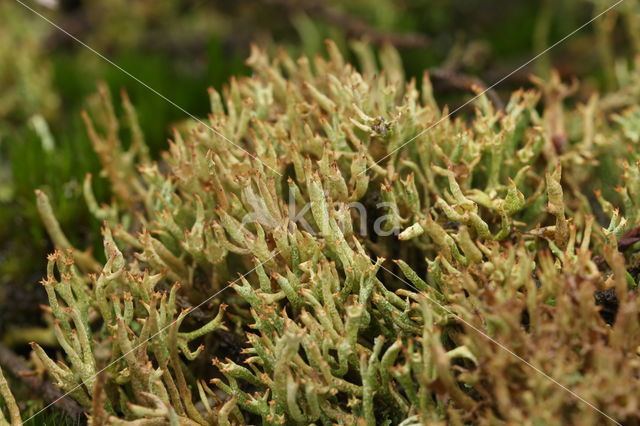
x: 15, y: 366
x: 458, y: 80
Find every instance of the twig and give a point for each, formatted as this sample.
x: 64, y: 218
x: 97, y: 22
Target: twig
x: 466, y: 82
x: 77, y: 22
x: 14, y: 365
x: 353, y: 26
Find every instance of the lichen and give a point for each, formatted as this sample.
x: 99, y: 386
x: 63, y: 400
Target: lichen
x: 451, y: 278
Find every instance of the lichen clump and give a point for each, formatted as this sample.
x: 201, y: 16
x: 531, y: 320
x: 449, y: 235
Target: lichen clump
x: 445, y: 280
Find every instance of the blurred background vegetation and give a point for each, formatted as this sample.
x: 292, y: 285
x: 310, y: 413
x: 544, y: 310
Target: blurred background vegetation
x: 181, y: 47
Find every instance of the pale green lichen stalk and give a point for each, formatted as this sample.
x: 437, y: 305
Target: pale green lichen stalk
x: 10, y: 402
x: 374, y: 272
